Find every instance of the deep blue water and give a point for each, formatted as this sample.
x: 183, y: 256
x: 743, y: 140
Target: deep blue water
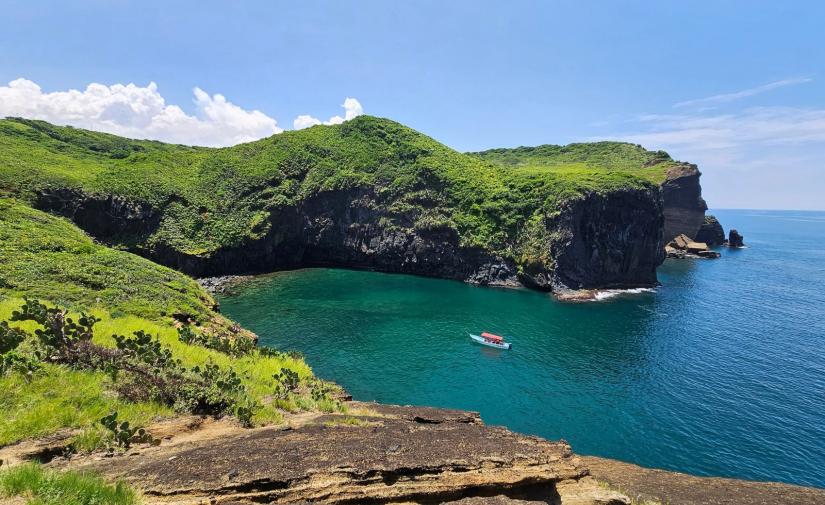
x: 720, y: 371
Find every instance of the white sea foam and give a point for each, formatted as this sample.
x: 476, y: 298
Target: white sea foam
x: 605, y: 294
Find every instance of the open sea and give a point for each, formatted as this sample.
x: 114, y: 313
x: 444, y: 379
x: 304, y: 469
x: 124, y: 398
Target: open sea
x: 720, y: 371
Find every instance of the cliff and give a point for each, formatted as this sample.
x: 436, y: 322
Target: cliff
x: 683, y: 203
x: 370, y: 193
x: 678, y: 182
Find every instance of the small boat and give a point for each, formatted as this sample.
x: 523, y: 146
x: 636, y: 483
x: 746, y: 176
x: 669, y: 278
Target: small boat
x: 491, y: 340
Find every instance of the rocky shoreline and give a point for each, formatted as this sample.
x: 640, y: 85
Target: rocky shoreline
x: 223, y: 283
x: 376, y: 453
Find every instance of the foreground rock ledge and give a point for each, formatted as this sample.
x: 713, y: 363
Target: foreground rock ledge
x: 383, y: 454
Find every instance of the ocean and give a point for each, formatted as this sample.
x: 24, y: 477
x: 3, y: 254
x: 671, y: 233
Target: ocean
x: 719, y: 371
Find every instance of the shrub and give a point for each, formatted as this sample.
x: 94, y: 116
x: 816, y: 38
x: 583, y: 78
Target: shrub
x: 233, y: 346
x: 24, y: 364
x: 124, y: 435
x: 10, y: 338
x: 143, y: 347
x: 287, y: 383
x: 245, y: 409
x: 59, y: 331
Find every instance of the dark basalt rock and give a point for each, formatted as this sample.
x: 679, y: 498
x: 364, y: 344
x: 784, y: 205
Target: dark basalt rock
x: 735, y: 239
x: 111, y: 217
x: 684, y: 207
x: 600, y: 240
x: 608, y: 241
x: 711, y: 232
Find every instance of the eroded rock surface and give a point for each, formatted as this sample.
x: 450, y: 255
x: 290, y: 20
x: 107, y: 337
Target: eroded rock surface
x: 651, y: 486
x: 711, y: 232
x: 683, y: 246
x: 391, y: 454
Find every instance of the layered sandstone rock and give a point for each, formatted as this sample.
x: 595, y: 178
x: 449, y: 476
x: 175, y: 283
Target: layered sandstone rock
x: 386, y: 455
x: 683, y: 246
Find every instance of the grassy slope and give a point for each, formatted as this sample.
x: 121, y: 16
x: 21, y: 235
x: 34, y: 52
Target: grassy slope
x: 49, y: 258
x: 594, y: 157
x: 213, y: 198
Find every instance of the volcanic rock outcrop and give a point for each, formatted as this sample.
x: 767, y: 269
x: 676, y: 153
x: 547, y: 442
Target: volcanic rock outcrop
x: 735, y: 239
x: 684, y: 207
x: 601, y: 240
x: 711, y: 232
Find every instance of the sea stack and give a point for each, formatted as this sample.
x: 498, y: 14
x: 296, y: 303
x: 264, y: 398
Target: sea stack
x: 711, y: 232
x: 735, y: 239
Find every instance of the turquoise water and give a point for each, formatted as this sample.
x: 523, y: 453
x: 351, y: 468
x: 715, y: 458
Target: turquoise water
x: 721, y: 371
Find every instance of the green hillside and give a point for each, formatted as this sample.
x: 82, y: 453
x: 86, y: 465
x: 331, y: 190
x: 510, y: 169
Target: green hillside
x: 217, y: 198
x: 49, y: 387
x: 597, y: 157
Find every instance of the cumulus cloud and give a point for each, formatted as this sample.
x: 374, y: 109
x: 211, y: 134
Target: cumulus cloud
x: 138, y: 112
x: 305, y: 121
x: 352, y: 108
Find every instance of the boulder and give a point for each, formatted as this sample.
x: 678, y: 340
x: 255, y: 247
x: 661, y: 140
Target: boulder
x: 682, y: 246
x: 696, y: 247
x: 680, y: 242
x: 711, y: 232
x: 735, y: 239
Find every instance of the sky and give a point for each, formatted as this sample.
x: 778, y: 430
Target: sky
x: 737, y: 87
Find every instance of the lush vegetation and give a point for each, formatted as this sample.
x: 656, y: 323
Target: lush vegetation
x: 216, y: 198
x: 122, y: 334
x: 40, y: 486
x: 593, y: 158
x: 48, y: 257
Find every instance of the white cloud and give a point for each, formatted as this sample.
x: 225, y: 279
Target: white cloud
x: 138, y: 112
x: 304, y: 121
x: 729, y: 97
x: 352, y: 108
x: 759, y: 157
x: 762, y: 126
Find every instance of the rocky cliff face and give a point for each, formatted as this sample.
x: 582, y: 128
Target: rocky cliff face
x: 684, y: 207
x: 711, y: 232
x: 600, y: 240
x: 612, y: 240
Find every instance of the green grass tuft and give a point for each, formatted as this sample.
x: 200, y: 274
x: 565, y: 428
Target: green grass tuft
x: 40, y: 486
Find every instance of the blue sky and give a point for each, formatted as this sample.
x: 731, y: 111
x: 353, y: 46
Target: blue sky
x: 736, y: 86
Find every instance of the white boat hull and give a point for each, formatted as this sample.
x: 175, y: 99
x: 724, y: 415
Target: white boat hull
x: 483, y: 341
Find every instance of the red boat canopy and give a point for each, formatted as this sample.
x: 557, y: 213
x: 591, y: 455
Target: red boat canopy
x: 490, y: 336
